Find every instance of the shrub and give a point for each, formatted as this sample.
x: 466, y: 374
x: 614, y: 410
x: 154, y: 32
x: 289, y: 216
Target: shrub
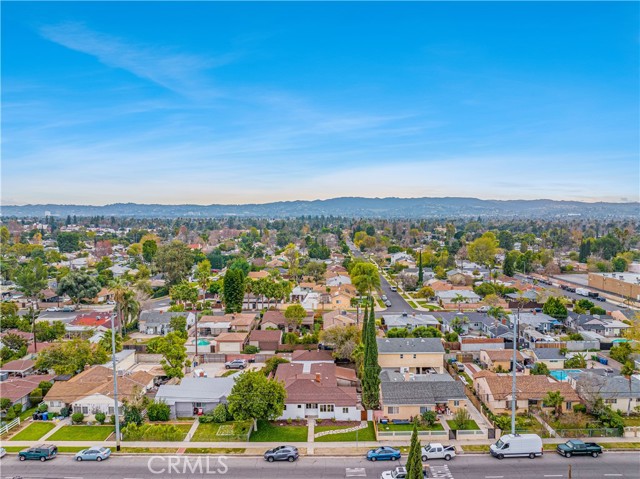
x: 272, y: 363
x: 36, y: 396
x: 77, y: 417
x: 579, y: 408
x: 42, y: 407
x: 460, y: 418
x: 158, y: 411
x: 101, y: 417
x: 219, y: 414
x: 429, y: 418
x: 10, y: 415
x: 250, y: 349
x: 289, y: 421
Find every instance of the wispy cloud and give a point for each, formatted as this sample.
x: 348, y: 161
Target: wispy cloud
x: 183, y: 73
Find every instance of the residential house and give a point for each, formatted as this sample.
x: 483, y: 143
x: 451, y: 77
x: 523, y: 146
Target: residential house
x: 96, y: 320
x: 539, y: 321
x: 265, y: 340
x: 241, y: 322
x: 258, y: 274
x: 479, y: 344
x: 463, y: 323
x: 338, y: 280
x: 401, y: 256
x: 604, y: 325
x: 213, y: 325
x: 18, y: 367
x: 551, y: 357
x: 231, y: 343
x: 495, y: 391
x: 411, y: 355
x: 407, y: 396
x: 614, y: 390
x: 194, y: 396
x: 18, y: 389
x: 276, y: 319
x: 158, y: 322
x: 313, y: 392
x: 340, y: 318
x: 499, y: 360
x: 447, y: 298
x: 311, y: 357
x: 409, y: 321
x: 91, y: 391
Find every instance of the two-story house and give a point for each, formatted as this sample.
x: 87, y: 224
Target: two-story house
x: 411, y: 355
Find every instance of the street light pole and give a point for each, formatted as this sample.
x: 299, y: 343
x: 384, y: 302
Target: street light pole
x: 513, y: 372
x: 115, y: 384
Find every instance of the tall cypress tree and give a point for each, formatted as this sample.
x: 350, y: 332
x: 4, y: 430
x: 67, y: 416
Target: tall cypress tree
x: 414, y: 459
x: 371, y: 382
x: 420, y: 272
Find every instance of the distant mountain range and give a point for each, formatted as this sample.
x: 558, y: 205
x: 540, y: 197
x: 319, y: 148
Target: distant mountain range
x: 348, y: 207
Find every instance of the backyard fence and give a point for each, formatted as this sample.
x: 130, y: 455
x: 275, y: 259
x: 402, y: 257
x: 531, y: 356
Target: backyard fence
x: 10, y: 425
x: 599, y: 432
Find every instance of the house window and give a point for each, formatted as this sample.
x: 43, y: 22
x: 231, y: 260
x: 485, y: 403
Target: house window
x: 456, y: 403
x: 345, y: 410
x: 424, y: 409
x: 299, y: 406
x: 610, y: 401
x: 393, y: 410
x: 312, y: 406
x: 326, y: 407
x: 568, y: 405
x: 402, y: 356
x: 414, y: 356
x: 111, y: 411
x: 198, y: 404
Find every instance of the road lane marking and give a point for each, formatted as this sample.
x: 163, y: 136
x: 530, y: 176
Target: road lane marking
x: 616, y: 475
x: 553, y: 475
x: 441, y: 472
x: 355, y: 472
x: 72, y: 477
x: 493, y: 477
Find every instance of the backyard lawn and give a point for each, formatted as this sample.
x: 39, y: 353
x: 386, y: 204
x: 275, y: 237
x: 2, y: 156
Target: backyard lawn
x: 223, y: 432
x: 409, y: 427
x: 34, y: 431
x: 368, y: 434
x: 468, y: 425
x: 273, y: 432
x: 82, y: 433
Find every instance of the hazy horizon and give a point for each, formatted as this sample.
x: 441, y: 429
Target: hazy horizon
x: 251, y: 103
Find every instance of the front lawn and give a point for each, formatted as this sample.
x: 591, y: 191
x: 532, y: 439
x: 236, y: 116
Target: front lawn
x: 28, y: 413
x: 368, y: 434
x: 409, y: 427
x: 82, y: 433
x: 225, y: 432
x: 279, y: 431
x: 228, y: 373
x: 631, y: 421
x: 34, y: 431
x: 468, y: 425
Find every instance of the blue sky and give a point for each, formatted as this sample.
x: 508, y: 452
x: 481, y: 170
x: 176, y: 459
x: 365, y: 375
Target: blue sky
x: 256, y: 102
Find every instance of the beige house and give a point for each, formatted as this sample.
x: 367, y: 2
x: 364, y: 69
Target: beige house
x: 339, y: 318
x: 231, y: 343
x: 495, y: 391
x: 499, y: 359
x: 411, y: 355
x: 551, y: 357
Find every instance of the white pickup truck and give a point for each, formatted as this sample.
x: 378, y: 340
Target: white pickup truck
x: 436, y: 450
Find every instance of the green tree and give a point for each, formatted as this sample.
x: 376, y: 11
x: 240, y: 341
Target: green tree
x: 483, y: 249
x: 203, y: 275
x: 628, y: 370
x: 540, y: 369
x: 175, y: 261
x: 554, y: 308
x: 256, y: 397
x: 576, y: 362
x: 371, y: 374
x: 461, y: 418
x: 506, y: 240
x: 174, y: 354
x: 179, y: 325
x: 554, y: 399
x: 414, y: 458
x: 184, y: 292
x: 71, y: 356
x: 149, y: 250
x: 32, y: 277
x: 621, y: 352
x: 271, y: 364
x: 426, y: 332
x: 233, y: 290
x: 344, y: 339
x: 68, y: 242
x: 79, y: 285
x: 315, y: 269
x: 294, y: 315
x: 365, y: 277
x: 158, y: 411
x: 458, y: 299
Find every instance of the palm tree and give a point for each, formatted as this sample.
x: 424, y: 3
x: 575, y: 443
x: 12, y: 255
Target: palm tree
x: 119, y: 289
x: 130, y: 308
x: 628, y: 370
x: 554, y: 399
x: 458, y: 299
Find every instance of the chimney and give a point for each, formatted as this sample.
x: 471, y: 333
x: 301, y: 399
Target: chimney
x: 318, y: 377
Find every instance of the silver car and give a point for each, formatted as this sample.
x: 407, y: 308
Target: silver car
x: 236, y: 364
x: 95, y: 453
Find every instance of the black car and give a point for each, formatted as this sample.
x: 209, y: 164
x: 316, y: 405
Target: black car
x: 281, y: 453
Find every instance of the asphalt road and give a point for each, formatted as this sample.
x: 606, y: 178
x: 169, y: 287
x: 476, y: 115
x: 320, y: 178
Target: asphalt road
x: 610, y: 465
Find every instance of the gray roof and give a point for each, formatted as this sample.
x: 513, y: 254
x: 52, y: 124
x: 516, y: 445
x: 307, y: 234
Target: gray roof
x: 388, y: 375
x: 409, y: 345
x: 609, y: 387
x: 196, y: 390
x: 421, y: 392
x: 548, y: 353
x: 405, y: 319
x: 158, y: 317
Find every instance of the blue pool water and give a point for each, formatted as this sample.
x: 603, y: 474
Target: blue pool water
x: 561, y: 375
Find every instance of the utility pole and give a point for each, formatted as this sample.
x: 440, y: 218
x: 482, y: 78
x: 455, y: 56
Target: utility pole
x: 115, y: 384
x: 513, y: 372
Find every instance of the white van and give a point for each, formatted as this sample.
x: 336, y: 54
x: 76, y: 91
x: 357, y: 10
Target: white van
x: 517, y: 445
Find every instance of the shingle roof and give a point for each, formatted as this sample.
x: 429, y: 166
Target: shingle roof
x: 18, y: 365
x: 319, y: 385
x: 159, y: 317
x: 421, y: 392
x: 17, y: 388
x: 196, y: 390
x: 409, y: 345
x: 502, y: 354
x: 529, y: 387
x: 548, y: 353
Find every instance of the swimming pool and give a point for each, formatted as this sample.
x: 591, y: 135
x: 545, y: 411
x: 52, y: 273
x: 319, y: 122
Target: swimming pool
x: 561, y: 374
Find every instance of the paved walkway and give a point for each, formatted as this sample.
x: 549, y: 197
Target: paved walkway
x: 192, y: 431
x: 362, y: 425
x: 311, y: 428
x: 64, y: 422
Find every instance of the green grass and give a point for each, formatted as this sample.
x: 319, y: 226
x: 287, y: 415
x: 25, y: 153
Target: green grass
x: 60, y: 449
x: 468, y: 425
x: 215, y: 450
x: 430, y: 307
x: 209, y: 432
x: 475, y: 447
x: 34, y: 431
x: 409, y: 427
x: 147, y: 450
x: 380, y: 302
x: 631, y: 421
x: 368, y: 434
x: 228, y: 373
x: 412, y: 304
x: 28, y: 413
x: 82, y: 433
x: 273, y: 432
x: 621, y: 445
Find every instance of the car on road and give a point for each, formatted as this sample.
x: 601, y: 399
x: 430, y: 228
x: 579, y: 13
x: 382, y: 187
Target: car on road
x: 601, y: 299
x: 42, y: 452
x: 384, y: 453
x: 393, y: 288
x: 3, y: 452
x: 436, y: 450
x: 387, y: 303
x: 384, y: 297
x: 575, y: 447
x: 399, y: 473
x: 517, y: 445
x: 53, y: 310
x: 483, y: 309
x: 68, y: 309
x: 95, y: 453
x: 236, y: 364
x: 282, y: 453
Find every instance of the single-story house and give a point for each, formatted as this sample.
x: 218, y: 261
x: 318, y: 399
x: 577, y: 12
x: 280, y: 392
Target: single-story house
x: 158, y: 322
x: 538, y: 321
x: 415, y: 355
x: 213, y: 325
x: 185, y: 399
x: 17, y: 389
x: 478, y: 344
x: 340, y: 318
x: 499, y: 359
x: 95, y: 319
x: 549, y: 356
x: 18, y: 367
x: 276, y: 319
x: 265, y: 340
x: 614, y: 390
x: 231, y: 343
x: 409, y: 321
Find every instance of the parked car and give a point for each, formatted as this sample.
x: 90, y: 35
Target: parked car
x: 3, y: 452
x: 514, y: 445
x: 384, y: 297
x: 68, y: 309
x: 282, y: 453
x: 393, y: 288
x: 438, y: 451
x: 53, y: 310
x: 575, y: 447
x: 387, y: 303
x: 399, y: 473
x: 236, y: 364
x: 384, y: 453
x: 601, y: 299
x: 95, y: 453
x: 483, y: 309
x: 111, y: 302
x: 42, y: 452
